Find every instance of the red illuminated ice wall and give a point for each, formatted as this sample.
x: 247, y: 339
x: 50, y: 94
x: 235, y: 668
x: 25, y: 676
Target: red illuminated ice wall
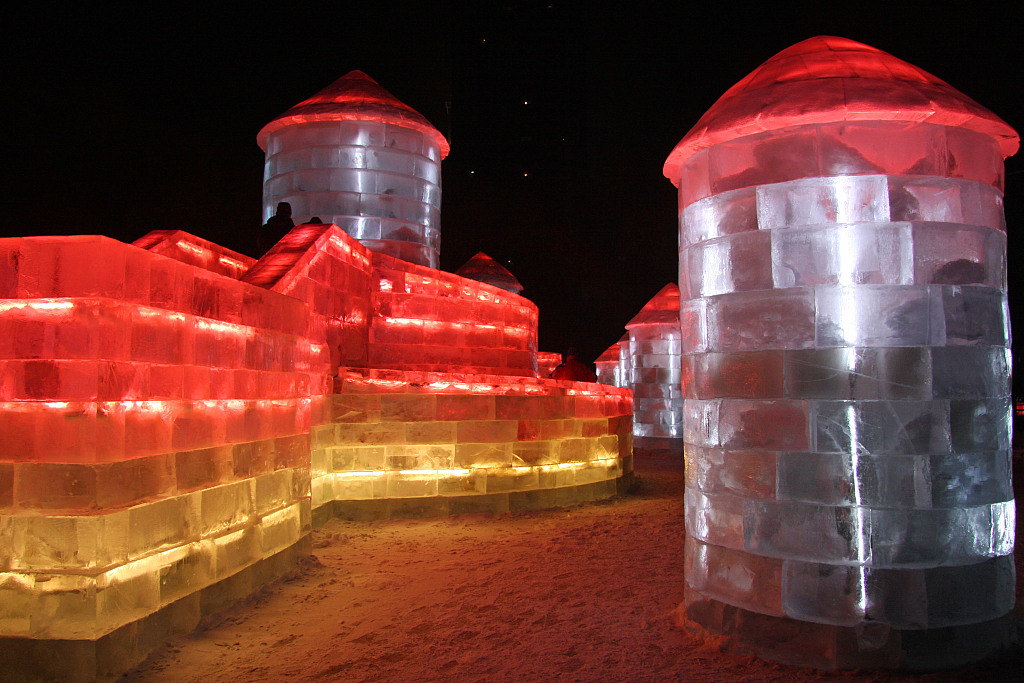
x: 161, y: 419
x: 155, y: 423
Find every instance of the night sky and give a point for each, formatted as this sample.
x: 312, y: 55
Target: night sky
x: 559, y: 119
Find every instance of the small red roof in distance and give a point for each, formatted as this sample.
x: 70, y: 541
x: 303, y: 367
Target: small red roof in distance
x: 483, y: 268
x: 827, y: 79
x: 354, y: 97
x: 611, y: 354
x: 663, y: 308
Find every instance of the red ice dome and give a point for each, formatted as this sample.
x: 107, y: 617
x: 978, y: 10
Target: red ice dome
x: 826, y: 80
x: 355, y: 97
x: 662, y: 308
x: 483, y: 268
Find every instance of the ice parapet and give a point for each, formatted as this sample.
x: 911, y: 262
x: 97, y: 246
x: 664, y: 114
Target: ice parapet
x: 846, y: 364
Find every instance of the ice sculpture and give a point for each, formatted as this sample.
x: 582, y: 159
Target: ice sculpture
x: 844, y: 316
x: 356, y: 156
x: 485, y: 269
x: 654, y: 346
x: 607, y: 365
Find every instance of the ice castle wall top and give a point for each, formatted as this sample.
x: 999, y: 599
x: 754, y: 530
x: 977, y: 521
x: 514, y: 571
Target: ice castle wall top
x: 826, y: 80
x: 355, y: 97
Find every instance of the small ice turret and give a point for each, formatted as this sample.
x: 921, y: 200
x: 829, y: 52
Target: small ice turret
x: 607, y: 365
x: 842, y: 259
x: 483, y: 268
x: 355, y: 156
x: 655, y: 378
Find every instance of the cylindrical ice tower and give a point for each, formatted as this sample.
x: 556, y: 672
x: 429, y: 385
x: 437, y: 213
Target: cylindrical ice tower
x: 607, y: 365
x: 654, y: 348
x: 355, y: 156
x: 844, y: 317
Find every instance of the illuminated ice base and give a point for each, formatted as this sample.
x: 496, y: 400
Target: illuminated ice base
x: 423, y: 444
x: 828, y: 646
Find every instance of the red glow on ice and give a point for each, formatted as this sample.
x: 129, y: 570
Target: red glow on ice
x: 825, y: 80
x: 355, y: 97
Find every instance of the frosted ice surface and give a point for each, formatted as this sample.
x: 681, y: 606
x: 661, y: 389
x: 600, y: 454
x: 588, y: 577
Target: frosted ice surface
x: 818, y: 201
x: 843, y: 254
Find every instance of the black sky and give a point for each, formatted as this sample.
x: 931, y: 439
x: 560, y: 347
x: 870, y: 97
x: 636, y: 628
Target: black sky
x: 559, y: 116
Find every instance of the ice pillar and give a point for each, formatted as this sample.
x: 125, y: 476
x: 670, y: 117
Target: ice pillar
x: 844, y: 317
x: 356, y: 156
x: 654, y: 348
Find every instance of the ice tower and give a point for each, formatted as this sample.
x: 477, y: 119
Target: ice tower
x: 654, y: 348
x: 844, y: 315
x: 355, y: 156
x: 607, y: 365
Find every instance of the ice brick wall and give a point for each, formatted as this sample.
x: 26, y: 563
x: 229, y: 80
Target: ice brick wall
x: 433, y: 443
x: 547, y: 361
x: 654, y: 375
x: 154, y: 420
x: 847, y: 424
x: 324, y: 267
x: 432, y: 321
x: 380, y: 182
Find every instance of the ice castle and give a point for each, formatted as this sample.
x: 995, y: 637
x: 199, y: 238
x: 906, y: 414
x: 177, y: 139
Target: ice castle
x: 175, y: 416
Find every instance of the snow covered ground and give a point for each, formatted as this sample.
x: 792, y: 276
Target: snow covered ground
x: 577, y: 594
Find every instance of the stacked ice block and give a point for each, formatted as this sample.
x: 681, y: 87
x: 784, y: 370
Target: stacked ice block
x: 154, y: 422
x: 432, y: 321
x: 845, y: 329
x: 412, y: 444
x: 355, y: 156
x: 655, y: 379
x: 607, y: 365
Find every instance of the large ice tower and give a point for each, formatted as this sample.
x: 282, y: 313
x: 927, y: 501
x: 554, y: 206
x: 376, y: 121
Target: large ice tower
x: 842, y: 255
x: 356, y: 156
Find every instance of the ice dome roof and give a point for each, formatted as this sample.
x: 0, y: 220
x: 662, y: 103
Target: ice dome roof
x: 610, y: 355
x: 354, y: 97
x: 827, y: 79
x: 483, y: 268
x: 662, y: 308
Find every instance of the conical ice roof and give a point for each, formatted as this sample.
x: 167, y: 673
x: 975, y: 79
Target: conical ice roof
x: 483, y: 268
x: 354, y: 97
x: 610, y: 355
x: 827, y: 80
x: 662, y: 309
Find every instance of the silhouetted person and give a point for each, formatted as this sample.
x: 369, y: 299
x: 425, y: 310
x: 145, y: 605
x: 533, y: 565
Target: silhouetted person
x: 315, y: 220
x: 573, y: 369
x: 276, y: 227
